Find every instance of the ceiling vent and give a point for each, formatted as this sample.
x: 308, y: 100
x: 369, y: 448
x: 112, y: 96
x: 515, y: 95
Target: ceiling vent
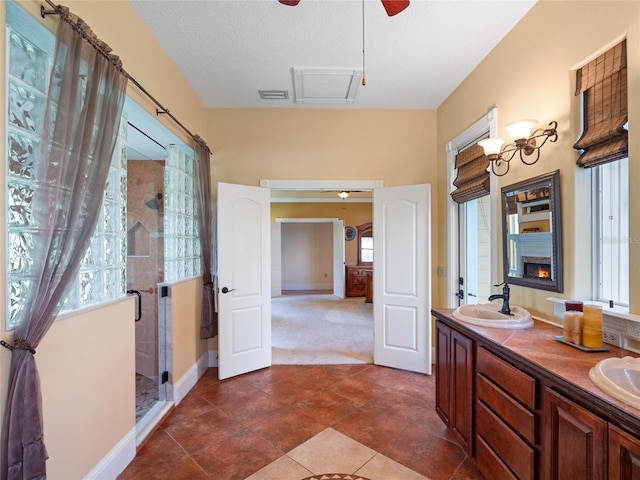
x: 323, y: 86
x: 274, y: 94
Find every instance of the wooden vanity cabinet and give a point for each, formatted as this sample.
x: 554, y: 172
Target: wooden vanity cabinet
x: 528, y: 424
x: 455, y: 370
x: 624, y: 455
x: 575, y: 440
x: 505, y: 419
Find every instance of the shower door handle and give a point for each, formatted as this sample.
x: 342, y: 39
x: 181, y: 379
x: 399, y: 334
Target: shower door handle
x: 136, y: 292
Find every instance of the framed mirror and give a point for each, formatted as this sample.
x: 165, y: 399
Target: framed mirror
x: 532, y: 233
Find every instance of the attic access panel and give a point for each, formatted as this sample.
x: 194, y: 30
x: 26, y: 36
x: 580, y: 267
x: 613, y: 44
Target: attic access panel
x: 324, y: 86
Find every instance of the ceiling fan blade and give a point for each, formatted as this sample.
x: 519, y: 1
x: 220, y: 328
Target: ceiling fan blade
x: 393, y: 7
x: 291, y: 3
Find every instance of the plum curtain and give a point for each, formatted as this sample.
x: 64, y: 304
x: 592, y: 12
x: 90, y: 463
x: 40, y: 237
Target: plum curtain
x: 202, y: 155
x: 84, y: 105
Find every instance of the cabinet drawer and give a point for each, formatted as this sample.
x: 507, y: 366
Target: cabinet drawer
x: 510, y: 448
x: 489, y: 463
x: 511, y: 412
x: 518, y: 384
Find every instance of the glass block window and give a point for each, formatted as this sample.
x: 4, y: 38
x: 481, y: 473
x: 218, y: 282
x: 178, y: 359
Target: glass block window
x: 30, y: 54
x: 181, y: 239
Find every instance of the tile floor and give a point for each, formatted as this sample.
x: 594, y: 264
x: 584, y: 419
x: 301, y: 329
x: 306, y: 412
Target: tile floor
x: 291, y: 422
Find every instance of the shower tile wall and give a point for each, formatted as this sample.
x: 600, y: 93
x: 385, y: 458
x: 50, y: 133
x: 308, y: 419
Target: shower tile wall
x: 145, y: 180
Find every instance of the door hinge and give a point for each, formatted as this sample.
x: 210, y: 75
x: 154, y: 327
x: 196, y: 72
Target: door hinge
x: 164, y: 291
x: 164, y: 377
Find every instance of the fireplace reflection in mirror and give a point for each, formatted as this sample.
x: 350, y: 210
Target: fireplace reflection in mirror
x: 536, y: 267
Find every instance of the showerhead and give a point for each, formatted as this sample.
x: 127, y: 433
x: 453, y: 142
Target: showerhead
x: 153, y: 204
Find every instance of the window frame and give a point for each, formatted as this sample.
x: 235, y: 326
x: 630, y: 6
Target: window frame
x: 598, y: 194
x: 364, y: 231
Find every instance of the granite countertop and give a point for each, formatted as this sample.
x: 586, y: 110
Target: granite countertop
x: 538, y: 346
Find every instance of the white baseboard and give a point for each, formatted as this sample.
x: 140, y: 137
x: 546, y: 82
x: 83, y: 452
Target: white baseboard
x: 307, y: 286
x: 114, y: 463
x: 185, y: 383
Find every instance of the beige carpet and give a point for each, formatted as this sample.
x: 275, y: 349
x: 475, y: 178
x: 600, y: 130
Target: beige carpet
x: 318, y: 329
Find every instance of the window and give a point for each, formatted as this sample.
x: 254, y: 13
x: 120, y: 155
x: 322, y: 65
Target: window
x: 365, y: 244
x: 602, y: 84
x: 611, y: 232
x: 102, y: 273
x: 181, y: 235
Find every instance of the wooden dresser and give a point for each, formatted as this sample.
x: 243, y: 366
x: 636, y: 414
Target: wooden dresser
x: 357, y: 280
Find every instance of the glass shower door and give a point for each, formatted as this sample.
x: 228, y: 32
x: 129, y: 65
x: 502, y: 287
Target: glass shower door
x: 145, y: 259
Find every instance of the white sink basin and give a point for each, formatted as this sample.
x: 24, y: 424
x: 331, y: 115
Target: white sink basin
x: 619, y: 377
x: 488, y: 315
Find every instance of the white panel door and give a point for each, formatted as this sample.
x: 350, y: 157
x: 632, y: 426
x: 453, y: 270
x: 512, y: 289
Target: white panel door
x: 402, y: 277
x: 338, y: 258
x: 276, y: 259
x: 244, y: 274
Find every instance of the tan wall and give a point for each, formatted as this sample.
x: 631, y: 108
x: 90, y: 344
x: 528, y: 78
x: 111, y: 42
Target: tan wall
x: 87, y: 372
x: 186, y: 305
x: 530, y: 74
x: 395, y: 146
x: 353, y: 214
x: 93, y: 381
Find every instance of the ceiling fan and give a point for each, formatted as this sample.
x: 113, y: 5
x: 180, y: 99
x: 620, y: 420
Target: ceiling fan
x: 393, y: 7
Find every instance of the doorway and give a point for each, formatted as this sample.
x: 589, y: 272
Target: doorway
x: 466, y: 223
x: 475, y: 251
x: 312, y: 321
x: 309, y: 255
x: 401, y: 283
x: 145, y: 272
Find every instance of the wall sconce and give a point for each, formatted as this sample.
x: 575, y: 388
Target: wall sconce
x: 524, y: 143
x: 344, y: 195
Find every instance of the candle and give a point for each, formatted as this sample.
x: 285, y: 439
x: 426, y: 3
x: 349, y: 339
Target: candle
x: 592, y: 326
x: 572, y: 327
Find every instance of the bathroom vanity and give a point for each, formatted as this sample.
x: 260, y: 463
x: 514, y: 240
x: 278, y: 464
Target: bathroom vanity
x: 522, y: 404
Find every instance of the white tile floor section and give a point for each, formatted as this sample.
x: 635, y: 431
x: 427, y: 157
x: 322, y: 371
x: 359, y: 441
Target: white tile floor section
x: 332, y: 452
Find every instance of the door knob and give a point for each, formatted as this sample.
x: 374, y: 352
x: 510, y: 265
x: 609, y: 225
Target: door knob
x: 227, y: 290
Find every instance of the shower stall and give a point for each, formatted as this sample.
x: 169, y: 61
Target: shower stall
x: 145, y: 253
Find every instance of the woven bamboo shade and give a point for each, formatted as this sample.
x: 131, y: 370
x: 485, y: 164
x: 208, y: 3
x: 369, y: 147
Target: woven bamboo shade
x: 603, y: 81
x: 472, y: 180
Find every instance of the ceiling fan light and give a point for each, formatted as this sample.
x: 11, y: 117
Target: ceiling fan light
x: 393, y: 7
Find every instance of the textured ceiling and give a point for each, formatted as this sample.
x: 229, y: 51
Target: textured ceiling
x: 230, y: 49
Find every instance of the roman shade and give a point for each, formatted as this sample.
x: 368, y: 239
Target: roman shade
x: 603, y: 83
x: 472, y: 180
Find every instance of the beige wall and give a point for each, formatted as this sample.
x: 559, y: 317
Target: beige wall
x: 186, y: 305
x: 87, y: 362
x: 87, y: 372
x: 530, y: 74
x: 353, y: 214
x: 395, y: 146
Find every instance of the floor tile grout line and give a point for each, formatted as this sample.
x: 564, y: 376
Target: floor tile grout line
x: 187, y: 453
x: 409, y: 392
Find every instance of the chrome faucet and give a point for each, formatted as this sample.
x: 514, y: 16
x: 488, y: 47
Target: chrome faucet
x: 505, y: 298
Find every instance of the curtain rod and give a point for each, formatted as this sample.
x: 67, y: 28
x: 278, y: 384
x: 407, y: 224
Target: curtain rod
x: 160, y: 110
